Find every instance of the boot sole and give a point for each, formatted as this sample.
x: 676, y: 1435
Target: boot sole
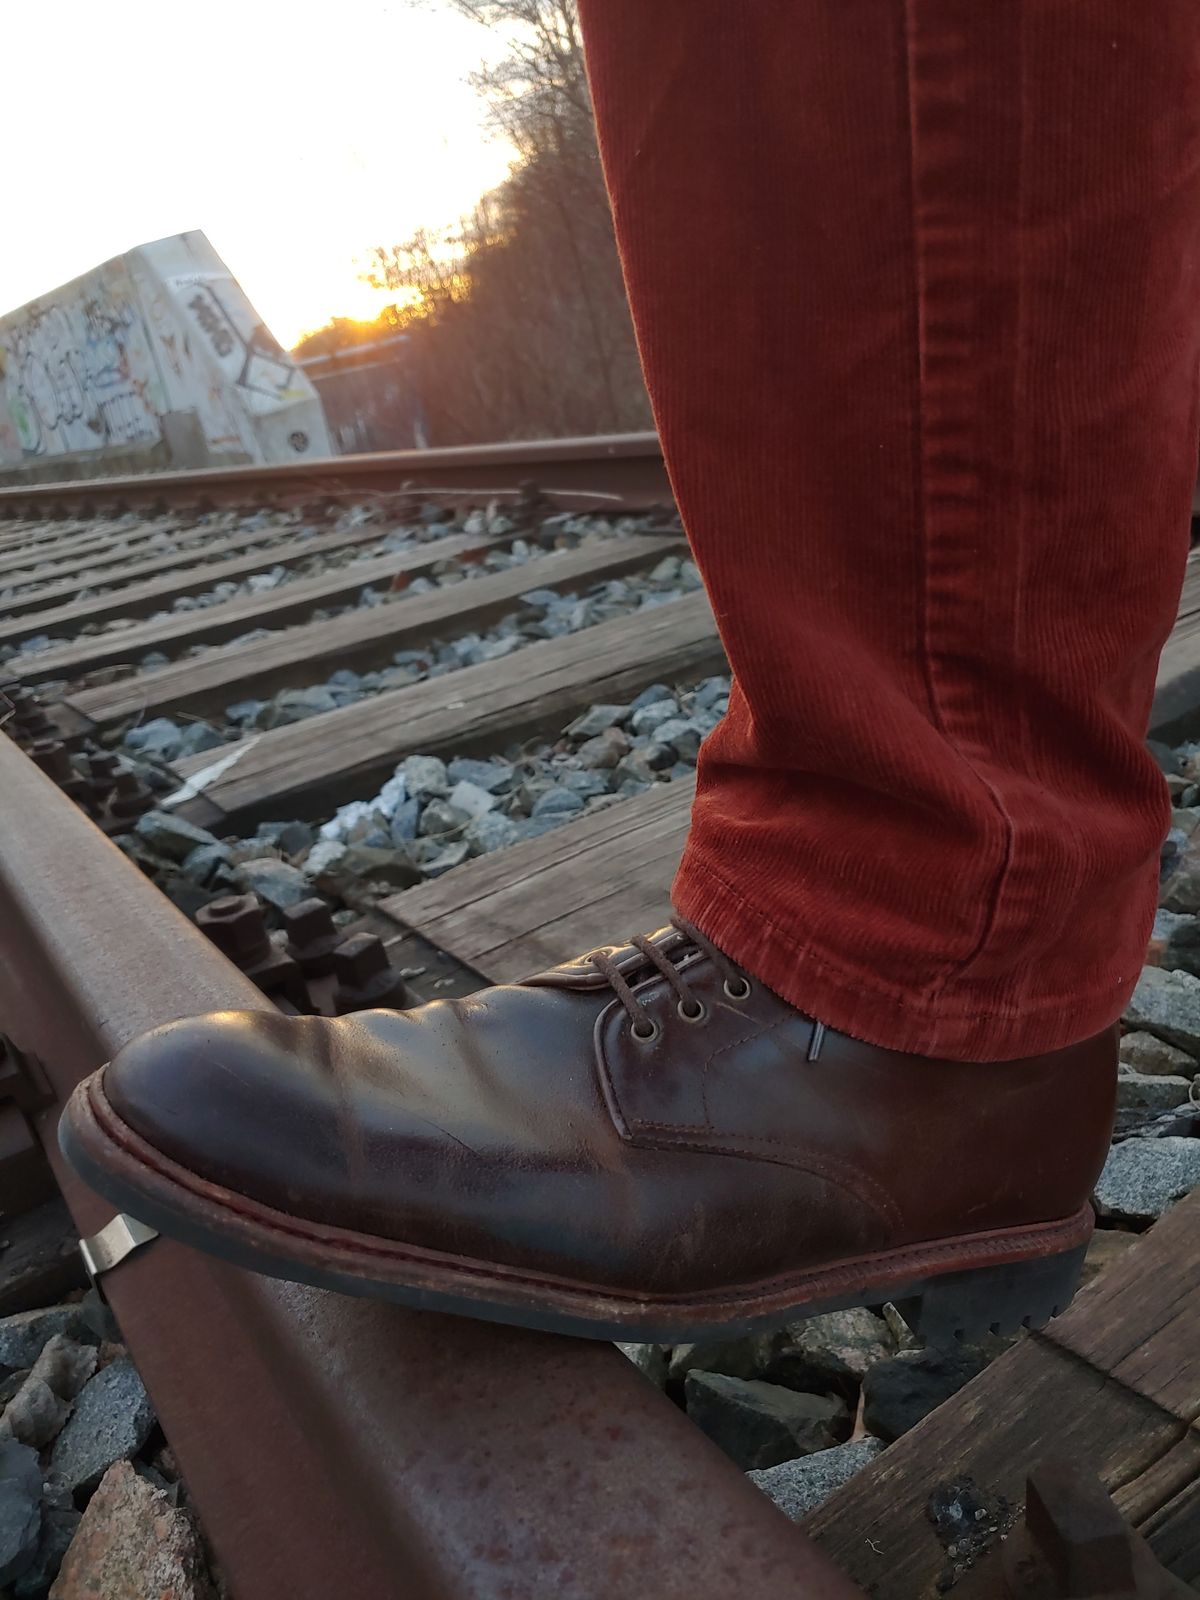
x: 949, y: 1289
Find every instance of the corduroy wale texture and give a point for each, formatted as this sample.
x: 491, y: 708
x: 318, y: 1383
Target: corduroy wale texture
x: 917, y: 290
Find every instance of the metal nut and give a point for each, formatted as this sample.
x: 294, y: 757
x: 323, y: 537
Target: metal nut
x: 235, y: 925
x: 358, y: 959
x: 311, y: 935
x: 130, y: 797
x: 51, y: 756
x: 309, y: 920
x: 1075, y: 1544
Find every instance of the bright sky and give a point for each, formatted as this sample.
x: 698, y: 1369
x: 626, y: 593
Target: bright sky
x: 295, y: 133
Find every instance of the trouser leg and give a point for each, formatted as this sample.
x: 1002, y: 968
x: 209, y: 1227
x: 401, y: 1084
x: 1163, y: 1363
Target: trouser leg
x: 917, y: 290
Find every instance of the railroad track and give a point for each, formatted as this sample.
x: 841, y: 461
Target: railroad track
x: 249, y: 656
x: 378, y: 1452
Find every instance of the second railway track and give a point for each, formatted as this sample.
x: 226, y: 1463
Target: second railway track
x: 346, y: 626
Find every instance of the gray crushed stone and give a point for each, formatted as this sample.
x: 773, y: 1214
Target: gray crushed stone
x: 1142, y: 1177
x: 111, y: 1422
x: 800, y: 1486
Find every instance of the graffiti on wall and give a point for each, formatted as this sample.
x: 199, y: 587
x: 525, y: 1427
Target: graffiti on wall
x: 162, y: 331
x: 190, y: 382
x: 76, y: 372
x: 248, y: 352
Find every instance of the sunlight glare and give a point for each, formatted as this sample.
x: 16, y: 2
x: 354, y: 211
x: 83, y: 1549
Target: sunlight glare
x: 295, y: 135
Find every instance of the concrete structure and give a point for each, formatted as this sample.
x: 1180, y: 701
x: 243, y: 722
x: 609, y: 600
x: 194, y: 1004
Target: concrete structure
x: 154, y: 360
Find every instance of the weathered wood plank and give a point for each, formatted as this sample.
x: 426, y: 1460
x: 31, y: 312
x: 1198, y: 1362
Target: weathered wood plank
x: 1033, y: 1401
x: 32, y: 614
x: 591, y: 882
x: 1173, y: 1533
x: 195, y: 543
x: 1189, y: 598
x: 1145, y: 1331
x: 1176, y: 710
x: 362, y: 639
x: 293, y: 602
x: 86, y: 545
x: 310, y: 767
x: 75, y: 535
x: 1175, y: 714
x: 1044, y: 1395
x: 1142, y: 1498
x: 34, y: 536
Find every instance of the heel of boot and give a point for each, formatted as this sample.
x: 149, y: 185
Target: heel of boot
x: 962, y: 1306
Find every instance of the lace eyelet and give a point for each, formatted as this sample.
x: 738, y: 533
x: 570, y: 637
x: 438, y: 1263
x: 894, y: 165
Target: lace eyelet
x: 647, y: 1035
x: 698, y: 1015
x: 737, y: 994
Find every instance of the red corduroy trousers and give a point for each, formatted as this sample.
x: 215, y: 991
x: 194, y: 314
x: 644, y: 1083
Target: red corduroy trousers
x: 917, y: 290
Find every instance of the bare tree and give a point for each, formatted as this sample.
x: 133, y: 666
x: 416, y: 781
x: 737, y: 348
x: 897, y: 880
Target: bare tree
x: 518, y: 316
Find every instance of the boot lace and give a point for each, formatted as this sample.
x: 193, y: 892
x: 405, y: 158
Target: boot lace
x: 643, y: 1026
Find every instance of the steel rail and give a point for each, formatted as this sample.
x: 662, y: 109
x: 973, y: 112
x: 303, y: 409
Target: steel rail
x: 607, y: 470
x: 339, y: 1446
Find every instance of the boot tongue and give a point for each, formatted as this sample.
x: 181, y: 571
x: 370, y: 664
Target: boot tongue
x: 581, y: 974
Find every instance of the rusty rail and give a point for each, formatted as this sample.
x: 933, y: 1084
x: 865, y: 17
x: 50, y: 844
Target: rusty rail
x: 339, y: 1446
x: 608, y: 470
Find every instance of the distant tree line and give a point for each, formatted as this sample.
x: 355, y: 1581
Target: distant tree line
x: 517, y: 320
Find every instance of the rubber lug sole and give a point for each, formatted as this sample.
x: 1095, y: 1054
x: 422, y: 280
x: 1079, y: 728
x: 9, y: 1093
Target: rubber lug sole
x: 948, y: 1289
x: 961, y: 1307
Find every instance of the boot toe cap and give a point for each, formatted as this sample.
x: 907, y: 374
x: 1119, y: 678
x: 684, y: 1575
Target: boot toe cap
x: 206, y: 1091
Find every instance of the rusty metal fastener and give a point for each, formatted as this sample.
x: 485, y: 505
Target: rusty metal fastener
x: 1076, y: 1545
x: 10, y: 690
x: 51, y: 756
x: 130, y: 797
x: 236, y: 926
x: 530, y: 504
x: 22, y: 1079
x: 104, y: 767
x: 25, y: 1176
x: 312, y: 936
x: 102, y: 774
x: 364, y: 975
x: 34, y: 724
x: 408, y: 502
x: 31, y: 713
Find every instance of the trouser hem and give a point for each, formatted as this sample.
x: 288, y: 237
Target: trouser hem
x: 957, y: 1023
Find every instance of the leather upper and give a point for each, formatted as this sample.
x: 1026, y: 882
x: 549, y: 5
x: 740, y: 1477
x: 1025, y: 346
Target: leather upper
x: 528, y: 1126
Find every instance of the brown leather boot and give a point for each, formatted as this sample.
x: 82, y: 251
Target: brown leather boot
x: 642, y: 1144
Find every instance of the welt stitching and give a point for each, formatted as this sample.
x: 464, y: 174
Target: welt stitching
x: 126, y: 1140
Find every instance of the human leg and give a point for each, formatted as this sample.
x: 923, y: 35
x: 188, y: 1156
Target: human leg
x: 917, y: 289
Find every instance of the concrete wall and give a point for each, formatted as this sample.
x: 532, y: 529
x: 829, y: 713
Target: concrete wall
x: 156, y: 356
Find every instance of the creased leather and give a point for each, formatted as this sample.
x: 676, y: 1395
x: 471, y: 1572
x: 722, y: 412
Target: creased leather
x: 527, y: 1126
